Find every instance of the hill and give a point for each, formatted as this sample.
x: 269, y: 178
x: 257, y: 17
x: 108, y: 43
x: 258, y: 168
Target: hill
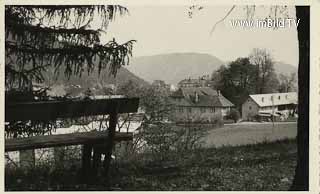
x: 173, y: 67
x: 285, y: 68
x: 95, y: 81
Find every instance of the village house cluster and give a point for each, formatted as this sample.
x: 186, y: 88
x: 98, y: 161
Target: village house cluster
x: 196, y: 100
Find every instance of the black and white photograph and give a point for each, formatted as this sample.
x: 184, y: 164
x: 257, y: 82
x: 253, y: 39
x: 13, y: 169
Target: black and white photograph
x: 156, y: 97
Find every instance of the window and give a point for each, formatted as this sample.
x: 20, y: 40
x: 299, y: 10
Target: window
x: 189, y: 110
x: 212, y: 109
x: 262, y: 99
x: 250, y: 107
x: 279, y: 97
x: 203, y: 109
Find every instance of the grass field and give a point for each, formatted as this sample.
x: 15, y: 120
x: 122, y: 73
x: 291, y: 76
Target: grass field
x: 250, y: 133
x: 260, y: 167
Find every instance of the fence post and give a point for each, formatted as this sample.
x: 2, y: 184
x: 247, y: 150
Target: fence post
x: 86, y: 162
x: 111, y: 133
x: 59, y: 156
x: 96, y: 160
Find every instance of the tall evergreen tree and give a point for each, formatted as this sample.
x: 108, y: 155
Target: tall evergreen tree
x: 60, y: 37
x: 38, y: 36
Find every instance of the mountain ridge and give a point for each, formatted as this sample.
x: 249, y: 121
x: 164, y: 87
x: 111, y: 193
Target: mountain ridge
x: 174, y: 67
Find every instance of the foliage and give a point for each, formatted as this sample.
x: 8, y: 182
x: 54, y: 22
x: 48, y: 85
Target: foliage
x: 234, y: 115
x: 236, y: 80
x: 301, y: 179
x: 265, y: 78
x: 55, y: 37
x: 264, y: 167
x: 250, y: 75
x: 158, y: 130
x: 288, y: 83
x: 49, y: 35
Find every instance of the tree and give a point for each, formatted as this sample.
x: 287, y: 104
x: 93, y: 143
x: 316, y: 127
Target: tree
x: 288, y: 83
x: 130, y: 89
x: 47, y: 37
x: 60, y: 36
x: 301, y: 178
x: 265, y: 75
x: 234, y: 115
x: 236, y: 81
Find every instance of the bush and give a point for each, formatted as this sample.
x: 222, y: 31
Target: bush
x: 234, y: 115
x: 167, y: 141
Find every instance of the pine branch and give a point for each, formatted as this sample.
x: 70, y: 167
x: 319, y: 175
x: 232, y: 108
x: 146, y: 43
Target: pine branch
x: 37, y: 36
x: 76, y: 57
x: 11, y: 26
x: 63, y: 13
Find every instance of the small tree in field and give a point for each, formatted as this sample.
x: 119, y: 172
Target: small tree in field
x: 234, y: 115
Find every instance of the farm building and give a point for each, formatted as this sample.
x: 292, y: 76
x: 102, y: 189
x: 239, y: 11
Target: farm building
x: 203, y: 81
x: 269, y: 104
x: 200, y: 104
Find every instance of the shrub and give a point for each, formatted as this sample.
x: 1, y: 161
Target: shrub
x: 234, y: 115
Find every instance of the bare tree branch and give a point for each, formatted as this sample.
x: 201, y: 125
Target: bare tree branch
x: 229, y: 12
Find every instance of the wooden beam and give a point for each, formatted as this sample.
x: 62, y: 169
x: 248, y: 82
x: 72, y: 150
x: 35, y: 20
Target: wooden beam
x: 95, y: 137
x: 52, y: 110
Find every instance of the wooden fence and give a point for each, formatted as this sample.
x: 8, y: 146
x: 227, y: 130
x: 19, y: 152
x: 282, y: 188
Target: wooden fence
x: 93, y: 142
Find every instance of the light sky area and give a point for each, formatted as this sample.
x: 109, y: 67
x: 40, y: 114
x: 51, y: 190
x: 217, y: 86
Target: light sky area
x: 168, y: 29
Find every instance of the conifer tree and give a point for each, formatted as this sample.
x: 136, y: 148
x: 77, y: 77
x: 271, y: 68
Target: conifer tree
x: 42, y: 36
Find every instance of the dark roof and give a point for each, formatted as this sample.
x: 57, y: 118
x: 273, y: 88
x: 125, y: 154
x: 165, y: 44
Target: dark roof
x: 207, y: 97
x: 190, y: 91
x: 224, y: 102
x: 187, y: 81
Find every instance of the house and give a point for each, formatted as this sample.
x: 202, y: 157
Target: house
x: 203, y: 81
x: 160, y: 84
x: 199, y: 104
x: 264, y: 104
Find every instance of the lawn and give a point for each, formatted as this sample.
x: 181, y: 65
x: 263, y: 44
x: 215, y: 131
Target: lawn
x: 264, y: 166
x: 250, y: 133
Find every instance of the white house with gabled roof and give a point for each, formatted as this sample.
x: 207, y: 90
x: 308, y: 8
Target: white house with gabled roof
x: 268, y: 104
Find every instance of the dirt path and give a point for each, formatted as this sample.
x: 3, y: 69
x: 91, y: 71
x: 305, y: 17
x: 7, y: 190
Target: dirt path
x: 250, y: 133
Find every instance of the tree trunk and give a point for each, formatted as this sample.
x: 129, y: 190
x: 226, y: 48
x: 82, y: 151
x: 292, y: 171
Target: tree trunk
x: 301, y: 178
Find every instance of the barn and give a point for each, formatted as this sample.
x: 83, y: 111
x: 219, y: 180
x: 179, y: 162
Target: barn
x: 269, y: 104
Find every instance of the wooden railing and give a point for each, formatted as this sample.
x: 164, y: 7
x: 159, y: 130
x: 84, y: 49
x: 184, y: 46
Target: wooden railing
x: 97, y: 142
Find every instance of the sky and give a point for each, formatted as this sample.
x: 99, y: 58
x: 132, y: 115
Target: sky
x: 167, y: 29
